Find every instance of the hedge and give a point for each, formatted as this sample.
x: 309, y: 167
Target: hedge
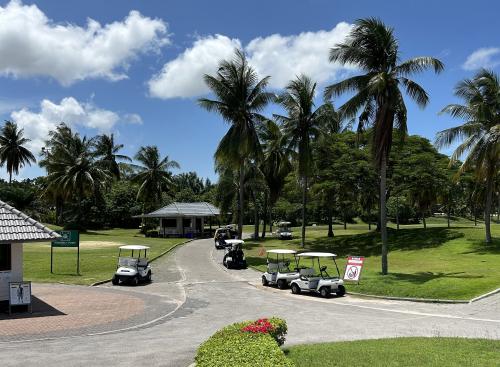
x: 231, y: 346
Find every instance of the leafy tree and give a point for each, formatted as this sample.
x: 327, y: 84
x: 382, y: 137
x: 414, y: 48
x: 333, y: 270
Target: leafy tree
x: 13, y: 153
x: 107, y: 152
x: 153, y: 175
x: 373, y: 48
x: 480, y: 132
x: 302, y: 126
x: 241, y: 96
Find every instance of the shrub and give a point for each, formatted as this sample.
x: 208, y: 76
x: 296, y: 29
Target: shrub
x: 250, y: 343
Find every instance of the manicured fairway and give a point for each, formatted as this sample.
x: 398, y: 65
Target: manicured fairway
x: 407, y: 352
x: 98, y: 256
x: 436, y: 262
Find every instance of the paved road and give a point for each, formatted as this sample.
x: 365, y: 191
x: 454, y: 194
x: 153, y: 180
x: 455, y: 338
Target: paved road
x: 210, y: 297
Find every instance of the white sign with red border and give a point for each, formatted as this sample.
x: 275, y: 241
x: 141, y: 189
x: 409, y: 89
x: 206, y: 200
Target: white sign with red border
x: 353, y: 268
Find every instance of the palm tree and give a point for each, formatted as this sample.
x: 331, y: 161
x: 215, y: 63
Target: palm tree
x: 302, y: 125
x: 154, y: 175
x: 480, y: 132
x: 13, y: 153
x: 373, y: 48
x: 72, y: 170
x: 240, y: 97
x: 107, y: 151
x: 276, y: 163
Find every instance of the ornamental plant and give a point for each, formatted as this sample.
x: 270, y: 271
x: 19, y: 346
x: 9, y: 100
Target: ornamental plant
x: 262, y: 326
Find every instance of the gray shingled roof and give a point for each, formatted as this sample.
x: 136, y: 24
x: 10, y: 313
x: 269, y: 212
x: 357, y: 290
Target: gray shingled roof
x: 18, y: 227
x: 201, y: 209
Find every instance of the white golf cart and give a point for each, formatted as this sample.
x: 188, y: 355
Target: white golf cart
x: 132, y: 269
x: 278, y: 268
x: 223, y: 234
x: 309, y: 281
x: 284, y: 232
x: 234, y: 257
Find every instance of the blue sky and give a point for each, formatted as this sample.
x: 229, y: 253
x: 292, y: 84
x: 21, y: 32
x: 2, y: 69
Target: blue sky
x: 135, y: 68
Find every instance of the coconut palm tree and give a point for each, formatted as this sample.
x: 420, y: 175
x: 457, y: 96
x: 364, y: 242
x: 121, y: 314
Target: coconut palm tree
x: 13, y: 153
x: 480, y: 134
x: 302, y: 125
x: 240, y: 96
x: 107, y: 152
x: 153, y: 175
x: 372, y: 47
x: 276, y: 163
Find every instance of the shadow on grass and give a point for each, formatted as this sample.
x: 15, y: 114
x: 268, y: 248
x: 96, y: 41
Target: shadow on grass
x: 480, y: 247
x: 426, y: 276
x: 93, y: 233
x: 369, y: 244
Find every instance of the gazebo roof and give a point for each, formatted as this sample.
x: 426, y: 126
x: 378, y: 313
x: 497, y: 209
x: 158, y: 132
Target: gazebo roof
x: 16, y: 226
x: 201, y: 209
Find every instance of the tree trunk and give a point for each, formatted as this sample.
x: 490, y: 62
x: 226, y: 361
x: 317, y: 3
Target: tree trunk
x: 397, y: 213
x: 240, y: 204
x: 449, y: 213
x: 369, y: 225
x: 498, y: 208
x: 330, y: 223
x: 423, y: 220
x: 475, y: 215
x: 345, y: 223
x: 264, y: 216
x: 10, y: 177
x: 487, y: 209
x: 304, y: 202
x: 383, y: 214
x: 271, y: 219
x: 255, y: 217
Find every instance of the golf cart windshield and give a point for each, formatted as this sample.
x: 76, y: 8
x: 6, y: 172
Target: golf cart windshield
x: 278, y: 261
x: 319, y: 262
x: 128, y: 262
x: 284, y: 227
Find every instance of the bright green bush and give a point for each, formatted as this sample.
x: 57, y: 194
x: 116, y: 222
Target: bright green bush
x: 231, y: 346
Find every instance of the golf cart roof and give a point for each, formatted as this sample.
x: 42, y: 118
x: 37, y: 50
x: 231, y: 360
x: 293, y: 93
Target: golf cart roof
x: 134, y: 247
x: 317, y: 254
x: 281, y: 251
x: 284, y: 223
x: 235, y: 242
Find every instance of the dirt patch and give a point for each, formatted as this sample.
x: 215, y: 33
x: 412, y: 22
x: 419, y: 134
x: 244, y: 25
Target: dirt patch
x: 99, y: 244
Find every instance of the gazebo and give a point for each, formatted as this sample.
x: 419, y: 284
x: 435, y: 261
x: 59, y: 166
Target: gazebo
x: 17, y: 228
x: 184, y: 219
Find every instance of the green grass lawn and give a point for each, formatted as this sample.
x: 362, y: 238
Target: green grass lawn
x: 97, y: 262
x: 436, y: 262
x: 407, y: 352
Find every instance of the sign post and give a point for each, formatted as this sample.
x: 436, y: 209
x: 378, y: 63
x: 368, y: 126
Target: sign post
x: 20, y: 295
x: 68, y: 239
x: 353, y: 268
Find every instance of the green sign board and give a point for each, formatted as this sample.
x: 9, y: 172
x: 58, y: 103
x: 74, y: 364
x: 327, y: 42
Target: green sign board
x: 68, y: 239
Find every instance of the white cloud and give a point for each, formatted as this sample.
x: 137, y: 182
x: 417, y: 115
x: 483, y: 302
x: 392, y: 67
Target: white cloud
x: 31, y: 44
x: 76, y: 114
x: 183, y: 76
x: 281, y: 57
x: 133, y: 118
x: 483, y: 58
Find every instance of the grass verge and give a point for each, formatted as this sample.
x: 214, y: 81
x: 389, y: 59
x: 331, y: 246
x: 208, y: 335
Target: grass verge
x: 421, y: 352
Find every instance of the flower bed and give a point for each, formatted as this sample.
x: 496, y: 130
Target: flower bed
x: 250, y: 343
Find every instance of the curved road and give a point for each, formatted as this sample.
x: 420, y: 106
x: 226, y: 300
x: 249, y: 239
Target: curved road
x: 209, y: 297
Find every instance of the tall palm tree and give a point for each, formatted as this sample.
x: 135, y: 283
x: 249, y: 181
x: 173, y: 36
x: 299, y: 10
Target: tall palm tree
x: 13, y: 153
x: 107, y: 151
x: 240, y: 96
x: 480, y: 134
x: 276, y: 163
x: 302, y: 125
x: 373, y: 48
x: 153, y: 175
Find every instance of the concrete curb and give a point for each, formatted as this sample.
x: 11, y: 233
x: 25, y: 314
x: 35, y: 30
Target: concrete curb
x: 411, y: 299
x: 153, y: 259
x: 478, y: 298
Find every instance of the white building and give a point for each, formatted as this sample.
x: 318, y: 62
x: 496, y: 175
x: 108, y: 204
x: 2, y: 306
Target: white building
x: 17, y: 228
x: 184, y: 219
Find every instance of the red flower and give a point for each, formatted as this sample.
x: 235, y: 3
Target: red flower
x: 262, y: 326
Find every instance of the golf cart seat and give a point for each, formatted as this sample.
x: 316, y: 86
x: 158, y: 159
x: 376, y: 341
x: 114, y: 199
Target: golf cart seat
x: 142, y: 262
x: 306, y: 273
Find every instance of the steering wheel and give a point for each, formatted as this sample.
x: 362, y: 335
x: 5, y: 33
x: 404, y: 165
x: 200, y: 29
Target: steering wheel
x: 323, y: 268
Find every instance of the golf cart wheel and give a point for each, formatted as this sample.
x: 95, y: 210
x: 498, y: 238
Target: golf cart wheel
x: 135, y: 280
x: 282, y: 284
x: 115, y: 280
x: 148, y: 277
x: 340, y: 291
x: 325, y: 292
x: 295, y: 289
x: 265, y: 283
